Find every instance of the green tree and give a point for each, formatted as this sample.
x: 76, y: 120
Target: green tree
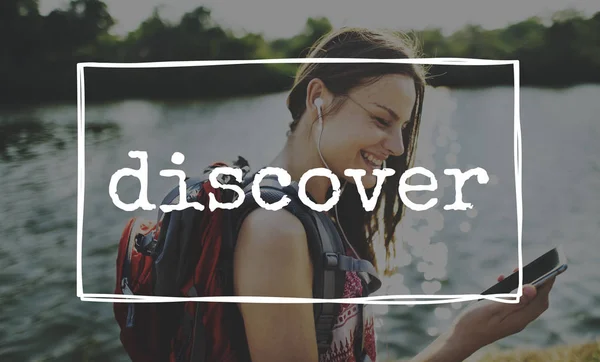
x: 299, y: 45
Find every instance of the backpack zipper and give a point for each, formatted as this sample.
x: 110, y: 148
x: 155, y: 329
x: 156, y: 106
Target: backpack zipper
x: 125, y: 283
x: 130, y: 308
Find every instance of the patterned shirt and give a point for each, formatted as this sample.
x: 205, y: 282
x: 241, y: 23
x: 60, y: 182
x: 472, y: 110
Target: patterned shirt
x: 354, y: 324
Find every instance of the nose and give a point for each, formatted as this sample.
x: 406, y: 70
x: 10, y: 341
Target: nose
x: 394, y: 143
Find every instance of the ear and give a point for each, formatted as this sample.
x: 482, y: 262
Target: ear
x: 316, y: 89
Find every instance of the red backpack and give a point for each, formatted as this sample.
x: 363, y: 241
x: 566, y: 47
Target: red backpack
x: 190, y: 253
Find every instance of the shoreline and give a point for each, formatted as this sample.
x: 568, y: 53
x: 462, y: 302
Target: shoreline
x: 573, y: 352
x: 12, y: 104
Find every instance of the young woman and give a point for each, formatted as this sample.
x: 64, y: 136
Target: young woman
x: 349, y: 116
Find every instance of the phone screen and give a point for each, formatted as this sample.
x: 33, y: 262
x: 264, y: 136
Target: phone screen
x: 531, y: 272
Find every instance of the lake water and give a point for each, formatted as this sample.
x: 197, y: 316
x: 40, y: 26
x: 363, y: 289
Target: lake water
x: 440, y: 252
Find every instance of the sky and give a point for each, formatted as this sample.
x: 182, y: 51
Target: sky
x: 285, y: 18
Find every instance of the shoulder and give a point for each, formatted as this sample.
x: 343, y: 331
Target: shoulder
x: 277, y: 231
x: 272, y: 242
x: 271, y: 259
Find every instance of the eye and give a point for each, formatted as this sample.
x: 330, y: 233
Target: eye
x: 382, y: 122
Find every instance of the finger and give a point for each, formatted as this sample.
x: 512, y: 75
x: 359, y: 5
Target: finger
x: 537, y: 306
x: 534, y: 302
x: 502, y: 277
x: 519, y: 319
x: 510, y: 313
x: 540, y: 303
x: 514, y: 271
x: 529, y: 294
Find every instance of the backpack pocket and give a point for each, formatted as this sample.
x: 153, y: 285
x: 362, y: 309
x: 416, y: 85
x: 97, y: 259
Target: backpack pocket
x: 139, y: 322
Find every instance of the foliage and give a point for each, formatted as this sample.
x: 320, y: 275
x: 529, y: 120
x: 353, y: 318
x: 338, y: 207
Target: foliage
x: 41, y: 53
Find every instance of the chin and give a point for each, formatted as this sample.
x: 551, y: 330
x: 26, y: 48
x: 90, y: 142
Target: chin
x: 369, y: 181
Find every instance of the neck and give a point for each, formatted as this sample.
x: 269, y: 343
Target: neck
x: 296, y: 158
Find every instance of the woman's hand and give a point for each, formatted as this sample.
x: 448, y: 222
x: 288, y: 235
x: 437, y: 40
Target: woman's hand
x: 487, y: 321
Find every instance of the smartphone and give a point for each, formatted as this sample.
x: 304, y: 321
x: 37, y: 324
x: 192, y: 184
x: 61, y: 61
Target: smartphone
x: 537, y: 272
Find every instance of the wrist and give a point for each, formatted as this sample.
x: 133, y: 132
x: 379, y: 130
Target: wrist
x: 458, y: 345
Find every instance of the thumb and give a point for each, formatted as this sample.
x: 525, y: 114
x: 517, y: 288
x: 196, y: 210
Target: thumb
x: 529, y: 293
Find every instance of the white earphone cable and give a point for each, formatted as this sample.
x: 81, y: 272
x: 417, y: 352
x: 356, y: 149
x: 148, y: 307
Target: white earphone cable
x: 343, y: 186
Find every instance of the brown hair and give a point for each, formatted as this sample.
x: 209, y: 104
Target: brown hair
x: 340, y: 78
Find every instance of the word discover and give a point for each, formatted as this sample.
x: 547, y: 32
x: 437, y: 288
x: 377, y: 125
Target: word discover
x: 284, y: 179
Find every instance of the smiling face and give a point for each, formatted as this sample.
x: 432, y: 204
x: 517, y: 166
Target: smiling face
x: 368, y: 127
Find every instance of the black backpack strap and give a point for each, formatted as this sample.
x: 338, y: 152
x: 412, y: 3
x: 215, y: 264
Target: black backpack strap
x: 174, y: 193
x: 323, y: 242
x: 347, y: 263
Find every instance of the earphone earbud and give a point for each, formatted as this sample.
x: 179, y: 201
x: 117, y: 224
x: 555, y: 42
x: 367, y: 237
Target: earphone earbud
x: 319, y: 103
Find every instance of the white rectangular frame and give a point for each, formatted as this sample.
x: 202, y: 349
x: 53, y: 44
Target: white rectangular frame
x: 387, y: 300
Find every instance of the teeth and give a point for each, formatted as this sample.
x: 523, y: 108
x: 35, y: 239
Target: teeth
x: 372, y: 159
